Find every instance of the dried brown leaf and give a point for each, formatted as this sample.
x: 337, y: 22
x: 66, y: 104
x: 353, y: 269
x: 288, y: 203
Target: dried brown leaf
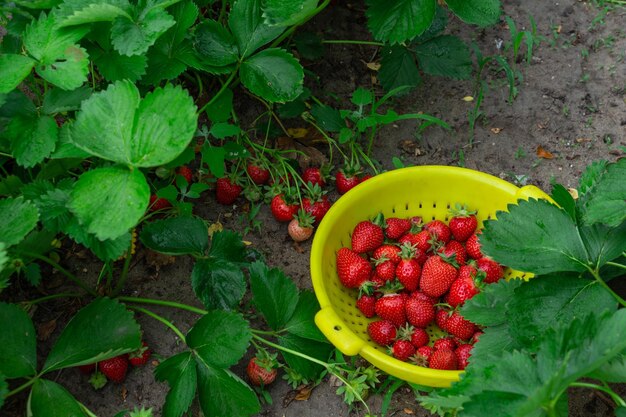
x: 44, y: 330
x: 304, y: 393
x: 542, y: 153
x: 496, y: 130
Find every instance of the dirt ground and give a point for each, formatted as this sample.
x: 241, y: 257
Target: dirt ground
x: 571, y: 102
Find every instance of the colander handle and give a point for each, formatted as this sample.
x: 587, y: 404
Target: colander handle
x: 530, y: 191
x: 337, y: 332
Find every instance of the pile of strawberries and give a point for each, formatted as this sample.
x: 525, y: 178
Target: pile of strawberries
x: 412, y: 275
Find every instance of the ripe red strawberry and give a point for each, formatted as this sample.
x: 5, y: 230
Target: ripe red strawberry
x: 463, y: 223
x: 366, y: 237
x: 444, y: 359
x: 157, y: 203
x: 390, y: 252
x: 419, y: 313
x: 408, y: 269
x: 386, y: 270
x: 463, y: 353
x: 419, y: 337
x: 422, y: 355
x: 475, y: 337
x: 402, y: 350
x: 186, y: 173
x: 140, y: 357
x: 352, y: 269
x: 227, y: 191
x: 493, y: 270
x: 345, y: 181
x: 282, y: 208
x: 472, y: 246
x: 445, y: 343
x: 316, y: 203
x: 391, y: 307
x: 258, y: 174
x: 260, y: 373
x: 458, y: 326
x: 418, y: 295
x: 382, y: 332
x: 441, y: 318
x: 395, y: 227
x: 114, y: 368
x: 439, y: 230
x: 366, y: 303
x: 365, y: 178
x: 463, y: 288
x: 87, y: 369
x: 300, y: 228
x: 454, y: 248
x: 437, y: 276
x: 314, y: 176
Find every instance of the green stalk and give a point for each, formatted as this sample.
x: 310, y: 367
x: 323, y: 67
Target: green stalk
x: 162, y: 320
x: 52, y: 297
x: 596, y: 275
x: 23, y: 386
x: 163, y: 303
x: 124, y: 276
x: 615, y: 264
x: 618, y: 400
x: 221, y: 90
x: 352, y: 42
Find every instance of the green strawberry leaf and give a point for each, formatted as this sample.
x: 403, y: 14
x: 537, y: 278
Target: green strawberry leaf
x: 328, y: 118
x: 591, y: 176
x: 398, y: 68
x: 564, y: 199
x: 101, y: 330
x: 493, y: 342
x: 109, y: 201
x: 613, y: 371
x: 117, y: 125
x: 116, y: 67
x: 215, y: 43
x: 489, y: 306
x: 227, y: 245
x: 274, y: 294
x: 80, y: 12
x: 445, y: 55
x: 477, y: 12
x: 47, y: 42
x: 401, y: 20
x: 304, y: 367
x: 605, y: 201
x: 134, y: 37
x: 4, y: 259
x: 65, y: 147
x: 224, y: 130
x: 214, y: 157
x: 556, y: 299
x: 17, y: 219
x: 176, y: 236
x: 218, y: 283
x: 287, y: 12
x: 247, y: 25
x: 273, y: 74
x: 49, y: 399
x: 362, y: 97
x: 106, y: 250
x: 180, y: 373
x: 58, y: 101
x: 439, y: 24
x: 302, y: 321
x: 32, y: 274
x: 14, y: 68
x: 18, y: 343
x: 222, y: 393
x: 69, y: 71
x: 32, y: 139
x: 551, y: 241
x: 604, y: 243
x: 220, y: 338
x: 220, y: 110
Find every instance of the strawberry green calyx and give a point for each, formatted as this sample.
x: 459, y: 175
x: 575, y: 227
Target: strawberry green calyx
x: 407, y: 250
x: 266, y: 360
x: 304, y: 218
x: 405, y: 332
x: 461, y: 211
x: 449, y: 259
x: 379, y: 220
x: 315, y: 193
x: 98, y: 380
x: 141, y: 412
x: 367, y: 288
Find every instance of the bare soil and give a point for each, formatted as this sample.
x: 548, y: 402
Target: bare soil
x: 571, y: 102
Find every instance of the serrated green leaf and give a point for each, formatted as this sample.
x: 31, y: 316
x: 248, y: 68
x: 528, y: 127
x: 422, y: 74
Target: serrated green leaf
x: 218, y: 283
x: 4, y: 260
x: 109, y: 201
x: 65, y: 147
x: 134, y: 37
x: 489, y: 306
x: 613, y: 371
x: 309, y: 45
x: 81, y: 12
x: 10, y: 186
x: 69, y: 71
x: 222, y: 393
x: 287, y: 12
x: 224, y: 130
x: 494, y: 341
x: 605, y: 202
x: 398, y: 68
x: 302, y: 321
x: 49, y: 399
x: 274, y: 294
x: 32, y: 139
x: 556, y: 299
x: 116, y: 125
x: 17, y: 219
x: 604, y: 243
x: 101, y: 330
x: 57, y: 101
x: 564, y: 199
x: 214, y: 157
x: 32, y: 274
x: 18, y: 343
x: 273, y: 74
x: 105, y: 250
x: 227, y: 245
x: 445, y: 55
x: 176, y: 236
x: 180, y: 373
x: 220, y: 338
x: 477, y: 12
x: 590, y: 176
x: 114, y: 66
x: 220, y: 110
x: 247, y: 25
x: 235, y: 150
x: 14, y: 68
x: 328, y: 118
x: 401, y: 20
x: 361, y: 97
x: 215, y: 43
x: 47, y: 42
x: 440, y: 22
x: 550, y: 239
x: 304, y: 367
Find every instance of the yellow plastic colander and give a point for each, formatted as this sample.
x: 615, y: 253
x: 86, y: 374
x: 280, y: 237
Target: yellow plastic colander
x: 426, y: 191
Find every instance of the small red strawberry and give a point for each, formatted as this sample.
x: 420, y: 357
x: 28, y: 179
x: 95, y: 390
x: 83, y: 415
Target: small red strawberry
x: 87, y: 369
x: 475, y: 337
x: 261, y: 372
x: 419, y: 313
x: 396, y: 227
x: 352, y: 269
x: 472, y: 246
x: 464, y: 287
x: 463, y: 353
x: 140, y: 357
x: 157, y: 203
x: 419, y: 337
x: 366, y: 303
x: 314, y: 176
x: 423, y: 240
x: 114, y: 368
x: 366, y: 237
x: 445, y: 343
x: 185, y: 172
x: 227, y: 190
x: 283, y: 209
x: 345, y: 180
x: 386, y: 270
x: 382, y: 332
x: 422, y: 355
x: 316, y: 203
x: 300, y: 228
x: 437, y: 276
x: 444, y: 359
x: 418, y: 295
x: 439, y: 230
x: 441, y: 317
x: 257, y: 173
x: 493, y: 270
x: 391, y: 307
x: 408, y: 269
x: 458, y: 326
x: 463, y: 223
x: 456, y: 250
x: 402, y: 350
x: 389, y: 252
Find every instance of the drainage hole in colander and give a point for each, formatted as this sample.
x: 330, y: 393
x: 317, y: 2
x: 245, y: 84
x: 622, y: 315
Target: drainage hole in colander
x: 448, y: 205
x: 435, y: 204
x: 337, y: 328
x: 420, y: 205
x: 393, y: 210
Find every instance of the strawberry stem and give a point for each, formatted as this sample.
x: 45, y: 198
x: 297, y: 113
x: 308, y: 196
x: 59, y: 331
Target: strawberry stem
x: 162, y: 303
x: 603, y: 283
x: 614, y: 396
x: 124, y: 275
x: 23, y: 386
x: 162, y: 320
